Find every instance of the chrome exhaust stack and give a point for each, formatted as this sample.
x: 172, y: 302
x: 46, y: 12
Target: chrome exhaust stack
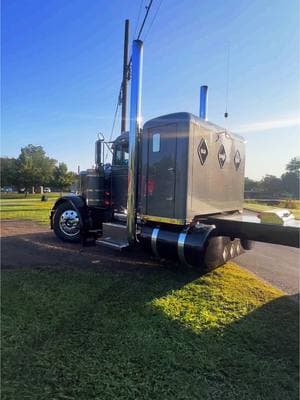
x: 203, y: 102
x: 134, y: 132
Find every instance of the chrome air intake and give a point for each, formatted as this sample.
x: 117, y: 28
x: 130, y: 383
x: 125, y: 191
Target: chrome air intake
x: 203, y: 102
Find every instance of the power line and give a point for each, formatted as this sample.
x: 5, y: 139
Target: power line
x: 151, y: 23
x: 115, y: 115
x: 145, y: 18
x: 138, y: 18
x: 138, y: 37
x: 142, y: 27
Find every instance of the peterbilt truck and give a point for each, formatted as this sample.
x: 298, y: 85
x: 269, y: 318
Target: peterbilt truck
x: 175, y: 187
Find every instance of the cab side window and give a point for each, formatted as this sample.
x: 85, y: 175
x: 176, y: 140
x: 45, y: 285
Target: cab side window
x: 118, y: 157
x: 121, y: 155
x: 126, y: 156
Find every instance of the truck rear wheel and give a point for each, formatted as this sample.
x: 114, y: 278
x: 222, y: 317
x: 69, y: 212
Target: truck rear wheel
x: 66, y: 223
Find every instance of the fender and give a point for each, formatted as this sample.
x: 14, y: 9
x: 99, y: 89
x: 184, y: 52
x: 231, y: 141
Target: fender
x: 79, y: 204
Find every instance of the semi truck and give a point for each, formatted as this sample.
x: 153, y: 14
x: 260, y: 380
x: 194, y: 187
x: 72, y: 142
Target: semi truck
x: 175, y: 187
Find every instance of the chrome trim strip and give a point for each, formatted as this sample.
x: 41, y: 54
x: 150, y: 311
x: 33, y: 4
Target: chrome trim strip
x: 154, y: 237
x: 163, y: 219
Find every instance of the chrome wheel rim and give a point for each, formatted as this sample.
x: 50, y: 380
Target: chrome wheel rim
x: 69, y: 223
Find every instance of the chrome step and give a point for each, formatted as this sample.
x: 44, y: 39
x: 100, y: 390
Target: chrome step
x: 114, y: 236
x: 115, y: 244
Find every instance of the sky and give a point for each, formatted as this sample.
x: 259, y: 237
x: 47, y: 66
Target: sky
x: 62, y: 67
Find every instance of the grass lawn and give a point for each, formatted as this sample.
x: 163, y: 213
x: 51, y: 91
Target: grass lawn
x: 16, y: 206
x: 29, y: 208
x: 262, y: 207
x: 86, y: 334
x: 22, y: 196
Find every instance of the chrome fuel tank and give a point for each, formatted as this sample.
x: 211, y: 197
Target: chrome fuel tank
x: 193, y: 246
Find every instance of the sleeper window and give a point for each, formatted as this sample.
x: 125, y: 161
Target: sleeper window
x: 156, y: 142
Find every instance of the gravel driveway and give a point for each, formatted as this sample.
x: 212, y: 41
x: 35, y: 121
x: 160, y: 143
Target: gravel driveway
x: 28, y: 244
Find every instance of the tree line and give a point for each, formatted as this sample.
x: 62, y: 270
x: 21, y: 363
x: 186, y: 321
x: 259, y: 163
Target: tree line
x: 33, y: 168
x: 271, y: 186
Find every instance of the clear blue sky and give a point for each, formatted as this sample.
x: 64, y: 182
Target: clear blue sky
x: 62, y: 66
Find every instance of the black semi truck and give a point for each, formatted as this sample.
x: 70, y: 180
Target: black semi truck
x: 175, y: 187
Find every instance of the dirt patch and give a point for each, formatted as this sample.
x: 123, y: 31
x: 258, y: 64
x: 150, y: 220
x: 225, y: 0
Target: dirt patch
x: 26, y: 244
x: 16, y: 228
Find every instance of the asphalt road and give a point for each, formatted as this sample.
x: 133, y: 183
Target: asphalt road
x: 278, y: 265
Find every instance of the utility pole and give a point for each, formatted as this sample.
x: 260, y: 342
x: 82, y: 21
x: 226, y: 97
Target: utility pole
x: 125, y: 77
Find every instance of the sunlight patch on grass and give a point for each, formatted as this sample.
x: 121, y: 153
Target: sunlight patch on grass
x: 217, y: 299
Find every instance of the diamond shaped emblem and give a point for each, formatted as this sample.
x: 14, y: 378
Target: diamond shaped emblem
x: 237, y: 160
x: 202, y: 151
x: 222, y: 155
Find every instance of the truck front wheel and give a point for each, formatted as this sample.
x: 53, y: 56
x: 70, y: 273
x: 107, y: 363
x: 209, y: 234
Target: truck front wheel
x: 66, y: 223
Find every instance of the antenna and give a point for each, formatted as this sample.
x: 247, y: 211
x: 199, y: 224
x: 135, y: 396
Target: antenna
x: 227, y: 81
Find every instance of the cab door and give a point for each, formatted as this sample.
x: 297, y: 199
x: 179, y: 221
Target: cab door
x: 161, y: 171
x: 120, y: 177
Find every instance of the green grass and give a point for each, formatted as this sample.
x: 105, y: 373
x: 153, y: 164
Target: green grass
x: 262, y: 207
x: 27, y: 208
x: 10, y: 196
x: 71, y: 334
x: 16, y: 206
x: 83, y: 334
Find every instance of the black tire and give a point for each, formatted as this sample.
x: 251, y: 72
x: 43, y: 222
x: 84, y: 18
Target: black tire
x: 66, y: 223
x: 217, y: 252
x: 247, y: 244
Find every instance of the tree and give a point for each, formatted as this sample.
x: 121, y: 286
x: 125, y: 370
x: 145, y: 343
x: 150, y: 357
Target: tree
x: 34, y: 167
x: 271, y: 184
x: 251, y: 184
x: 62, y: 179
x: 291, y: 178
x: 290, y: 182
x: 294, y: 165
x: 9, y: 173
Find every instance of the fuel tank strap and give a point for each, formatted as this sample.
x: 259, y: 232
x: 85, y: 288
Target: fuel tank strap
x: 154, y: 236
x: 180, y: 248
